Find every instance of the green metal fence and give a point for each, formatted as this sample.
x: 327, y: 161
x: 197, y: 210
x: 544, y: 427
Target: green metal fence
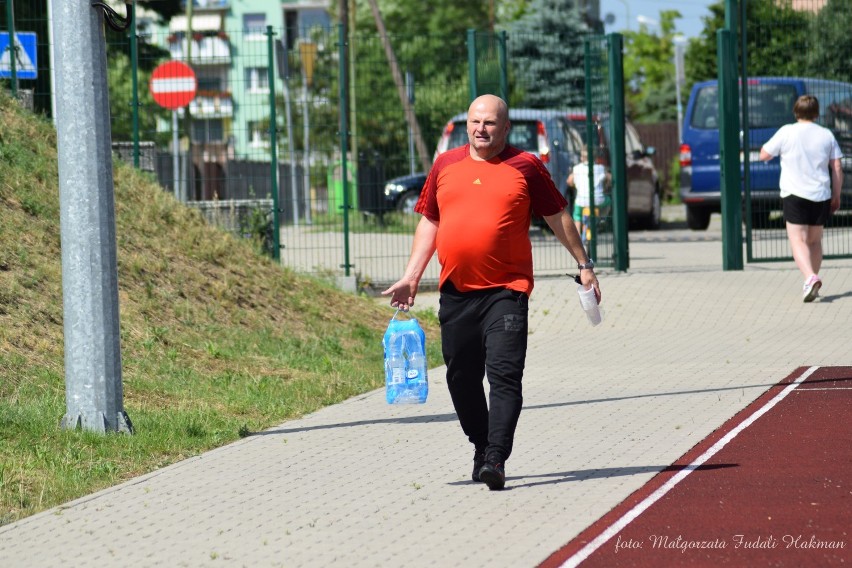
x: 27, y: 75
x: 606, y: 235
x: 804, y: 46
x: 304, y: 137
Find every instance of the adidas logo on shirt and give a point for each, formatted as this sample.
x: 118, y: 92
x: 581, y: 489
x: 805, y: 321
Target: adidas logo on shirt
x: 477, y: 182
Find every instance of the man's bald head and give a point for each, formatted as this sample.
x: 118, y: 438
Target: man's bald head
x: 491, y: 103
x: 487, y: 126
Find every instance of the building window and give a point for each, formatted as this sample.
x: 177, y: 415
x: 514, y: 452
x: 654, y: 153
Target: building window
x: 209, y: 84
x: 258, y: 133
x: 211, y: 130
x: 299, y: 22
x: 254, y: 24
x: 144, y: 30
x: 257, y: 80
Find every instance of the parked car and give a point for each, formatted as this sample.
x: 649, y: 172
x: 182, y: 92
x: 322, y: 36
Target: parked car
x: 644, y: 195
x: 770, y: 106
x: 401, y: 193
x: 547, y: 134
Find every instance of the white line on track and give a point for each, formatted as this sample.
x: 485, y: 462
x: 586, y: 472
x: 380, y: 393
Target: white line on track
x: 641, y: 507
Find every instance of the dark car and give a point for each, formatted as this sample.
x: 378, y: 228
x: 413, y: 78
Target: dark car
x: 546, y: 134
x: 401, y: 193
x: 644, y: 197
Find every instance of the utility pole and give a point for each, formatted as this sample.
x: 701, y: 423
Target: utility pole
x: 93, y: 388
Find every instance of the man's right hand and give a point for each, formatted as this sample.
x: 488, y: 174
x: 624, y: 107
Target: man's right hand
x: 402, y: 294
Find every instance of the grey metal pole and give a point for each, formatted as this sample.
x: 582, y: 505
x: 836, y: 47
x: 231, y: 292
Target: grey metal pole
x: 306, y: 151
x: 93, y: 388
x: 176, y: 157
x: 13, y: 46
x: 680, y: 77
x: 291, y: 146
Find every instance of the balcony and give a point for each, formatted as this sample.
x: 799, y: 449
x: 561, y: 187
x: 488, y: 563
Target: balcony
x: 202, y: 5
x: 200, y: 23
x: 212, y: 104
x: 205, y: 49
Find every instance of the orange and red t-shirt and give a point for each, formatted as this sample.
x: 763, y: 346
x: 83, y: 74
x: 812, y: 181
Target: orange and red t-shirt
x: 483, y: 210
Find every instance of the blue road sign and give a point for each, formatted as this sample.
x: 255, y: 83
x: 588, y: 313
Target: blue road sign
x: 26, y: 62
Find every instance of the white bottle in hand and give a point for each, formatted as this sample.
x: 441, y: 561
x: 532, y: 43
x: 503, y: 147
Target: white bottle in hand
x: 589, y: 303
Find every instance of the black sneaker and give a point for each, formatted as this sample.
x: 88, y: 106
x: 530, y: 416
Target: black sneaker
x: 478, y: 462
x: 492, y: 474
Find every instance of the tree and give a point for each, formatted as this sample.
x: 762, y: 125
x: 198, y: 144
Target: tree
x: 322, y: 96
x: 832, y: 41
x: 428, y: 38
x: 776, y: 35
x: 649, y: 71
x: 166, y: 8
x: 546, y: 55
x: 119, y: 73
x: 121, y: 102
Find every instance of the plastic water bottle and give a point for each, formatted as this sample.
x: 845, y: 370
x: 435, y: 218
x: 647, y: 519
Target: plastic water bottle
x: 406, y: 375
x: 417, y: 382
x: 590, y: 305
x: 395, y: 373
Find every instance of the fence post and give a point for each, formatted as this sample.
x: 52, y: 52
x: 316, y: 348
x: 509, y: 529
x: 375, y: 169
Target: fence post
x: 273, y: 147
x: 590, y: 146
x: 502, y: 41
x: 732, y: 245
x: 134, y: 80
x: 344, y: 150
x: 10, y: 20
x: 471, y: 64
x: 745, y: 130
x: 619, y: 167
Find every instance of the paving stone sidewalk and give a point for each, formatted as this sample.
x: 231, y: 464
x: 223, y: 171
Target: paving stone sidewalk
x: 683, y: 347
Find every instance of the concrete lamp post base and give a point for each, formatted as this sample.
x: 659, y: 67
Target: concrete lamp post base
x: 97, y: 422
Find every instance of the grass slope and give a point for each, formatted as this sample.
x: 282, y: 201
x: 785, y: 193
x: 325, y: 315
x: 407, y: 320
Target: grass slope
x: 216, y: 341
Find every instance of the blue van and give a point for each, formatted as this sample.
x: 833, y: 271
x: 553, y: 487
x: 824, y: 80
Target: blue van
x: 771, y: 102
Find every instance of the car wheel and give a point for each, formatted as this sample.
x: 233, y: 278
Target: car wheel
x: 697, y: 218
x: 407, y: 202
x: 654, y: 218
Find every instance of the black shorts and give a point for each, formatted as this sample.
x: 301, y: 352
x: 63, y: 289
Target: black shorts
x: 801, y: 211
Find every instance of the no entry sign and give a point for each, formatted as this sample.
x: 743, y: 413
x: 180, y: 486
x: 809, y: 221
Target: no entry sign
x: 173, y: 85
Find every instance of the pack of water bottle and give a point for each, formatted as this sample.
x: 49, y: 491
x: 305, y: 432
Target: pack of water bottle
x: 406, y: 380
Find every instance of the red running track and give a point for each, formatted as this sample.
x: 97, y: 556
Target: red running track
x: 771, y: 487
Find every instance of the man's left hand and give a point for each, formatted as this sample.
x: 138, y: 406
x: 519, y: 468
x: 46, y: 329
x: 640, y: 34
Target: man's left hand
x: 589, y: 280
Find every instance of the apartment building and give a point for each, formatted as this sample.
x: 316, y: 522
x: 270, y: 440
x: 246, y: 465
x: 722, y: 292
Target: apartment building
x: 226, y: 44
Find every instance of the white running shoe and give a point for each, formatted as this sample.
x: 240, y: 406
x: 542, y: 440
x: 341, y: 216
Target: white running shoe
x: 811, y: 288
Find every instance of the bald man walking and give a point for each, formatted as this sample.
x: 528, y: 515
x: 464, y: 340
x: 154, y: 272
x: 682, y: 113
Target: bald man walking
x: 477, y: 205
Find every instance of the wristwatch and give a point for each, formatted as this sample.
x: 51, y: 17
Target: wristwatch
x: 586, y: 265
